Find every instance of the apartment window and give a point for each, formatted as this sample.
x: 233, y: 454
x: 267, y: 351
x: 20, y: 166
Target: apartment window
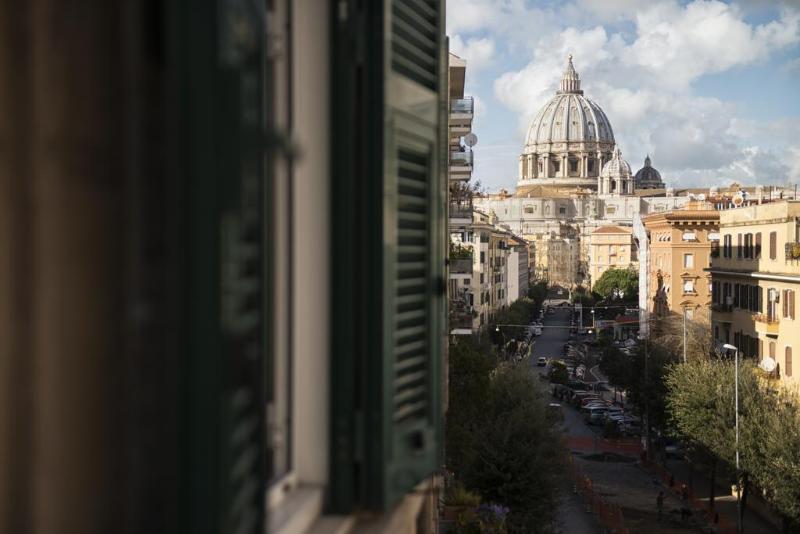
x: 528, y: 209
x: 483, y: 259
x: 787, y: 368
x: 773, y: 245
x: 757, y: 254
x: 736, y: 291
x: 688, y: 261
x: 715, y: 293
x: 788, y: 304
x: 573, y: 165
x: 562, y: 210
x: 689, y: 312
x: 738, y: 245
x: 466, y: 281
x: 556, y: 166
x: 590, y: 165
x: 748, y: 245
x: 481, y: 278
x: 772, y: 305
x: 688, y: 286
x: 726, y: 245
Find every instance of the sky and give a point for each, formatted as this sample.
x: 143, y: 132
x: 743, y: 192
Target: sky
x: 710, y: 89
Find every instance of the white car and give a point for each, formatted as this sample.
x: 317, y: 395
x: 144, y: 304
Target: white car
x: 542, y: 361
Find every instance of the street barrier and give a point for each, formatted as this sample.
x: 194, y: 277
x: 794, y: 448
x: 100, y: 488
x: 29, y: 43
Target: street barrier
x: 608, y: 516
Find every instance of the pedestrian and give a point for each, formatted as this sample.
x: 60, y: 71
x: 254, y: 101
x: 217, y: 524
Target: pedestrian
x: 685, y: 510
x: 660, y: 504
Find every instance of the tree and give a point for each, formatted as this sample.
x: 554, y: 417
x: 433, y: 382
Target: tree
x: 700, y: 397
x: 471, y: 364
x: 618, y: 285
x: 518, y: 451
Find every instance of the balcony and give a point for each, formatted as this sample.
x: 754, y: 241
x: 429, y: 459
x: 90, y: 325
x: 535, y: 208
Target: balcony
x: 792, y: 252
x: 460, y: 212
x: 722, y: 312
x: 461, y: 266
x: 766, y: 324
x: 462, y: 106
x: 460, y: 165
x: 461, y: 321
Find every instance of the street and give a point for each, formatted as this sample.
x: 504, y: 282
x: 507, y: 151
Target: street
x: 571, y: 517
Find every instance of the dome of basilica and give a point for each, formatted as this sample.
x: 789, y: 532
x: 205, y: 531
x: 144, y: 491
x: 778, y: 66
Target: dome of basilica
x: 570, y: 116
x: 616, y: 177
x: 648, y: 177
x: 569, y: 140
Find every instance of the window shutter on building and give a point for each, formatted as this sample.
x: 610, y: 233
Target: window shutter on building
x: 221, y: 103
x: 758, y: 245
x: 398, y: 330
x: 773, y: 245
x: 787, y: 369
x: 738, y: 245
x: 784, y: 304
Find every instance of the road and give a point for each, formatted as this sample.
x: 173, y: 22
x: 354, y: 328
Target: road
x: 571, y: 517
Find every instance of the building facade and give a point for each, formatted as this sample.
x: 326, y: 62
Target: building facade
x: 611, y: 247
x: 755, y: 280
x: 681, y: 243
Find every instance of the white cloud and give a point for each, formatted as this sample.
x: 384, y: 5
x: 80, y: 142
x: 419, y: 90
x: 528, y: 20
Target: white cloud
x: 644, y: 83
x: 477, y: 51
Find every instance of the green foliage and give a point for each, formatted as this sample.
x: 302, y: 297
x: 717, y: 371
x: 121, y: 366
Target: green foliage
x: 701, y: 406
x: 460, y: 252
x: 458, y: 495
x: 642, y: 375
x: 471, y: 364
x: 537, y: 292
x: 559, y: 373
x: 618, y: 285
x: 517, y: 451
x: 520, y: 312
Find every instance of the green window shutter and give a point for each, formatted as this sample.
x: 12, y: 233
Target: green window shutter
x: 413, y: 252
x: 219, y: 103
x: 388, y: 220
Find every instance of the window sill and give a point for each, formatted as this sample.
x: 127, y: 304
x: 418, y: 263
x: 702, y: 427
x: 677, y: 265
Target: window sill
x: 297, y: 512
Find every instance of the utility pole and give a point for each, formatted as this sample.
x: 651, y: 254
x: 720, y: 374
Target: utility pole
x: 684, y: 335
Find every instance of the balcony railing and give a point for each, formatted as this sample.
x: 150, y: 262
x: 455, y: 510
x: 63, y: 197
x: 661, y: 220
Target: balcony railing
x: 460, y: 210
x: 462, y: 105
x: 461, y: 266
x: 461, y: 159
x: 767, y: 324
x: 461, y: 320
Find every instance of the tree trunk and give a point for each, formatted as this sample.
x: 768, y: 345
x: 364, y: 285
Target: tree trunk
x: 744, y: 486
x: 712, y: 484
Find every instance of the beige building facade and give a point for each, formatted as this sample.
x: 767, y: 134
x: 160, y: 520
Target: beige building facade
x: 680, y: 246
x: 611, y: 247
x: 755, y: 280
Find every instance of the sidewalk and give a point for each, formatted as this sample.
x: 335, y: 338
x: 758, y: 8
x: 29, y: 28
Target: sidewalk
x: 724, y: 502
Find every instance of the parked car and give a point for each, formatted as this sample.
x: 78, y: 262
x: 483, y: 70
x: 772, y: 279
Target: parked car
x: 673, y: 449
x: 541, y: 361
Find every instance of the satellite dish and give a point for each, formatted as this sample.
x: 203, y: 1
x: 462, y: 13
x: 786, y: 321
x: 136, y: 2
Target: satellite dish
x: 768, y: 364
x: 470, y: 139
x: 701, y: 196
x: 738, y: 199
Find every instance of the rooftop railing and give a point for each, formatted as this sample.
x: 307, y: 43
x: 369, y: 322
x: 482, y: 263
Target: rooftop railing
x: 462, y: 105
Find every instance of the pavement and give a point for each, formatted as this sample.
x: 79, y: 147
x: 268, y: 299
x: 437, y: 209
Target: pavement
x: 617, y: 476
x: 572, y: 516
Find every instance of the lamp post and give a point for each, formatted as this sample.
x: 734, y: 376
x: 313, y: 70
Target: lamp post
x: 728, y: 346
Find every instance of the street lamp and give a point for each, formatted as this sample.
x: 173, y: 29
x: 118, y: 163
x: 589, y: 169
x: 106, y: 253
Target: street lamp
x: 728, y: 346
